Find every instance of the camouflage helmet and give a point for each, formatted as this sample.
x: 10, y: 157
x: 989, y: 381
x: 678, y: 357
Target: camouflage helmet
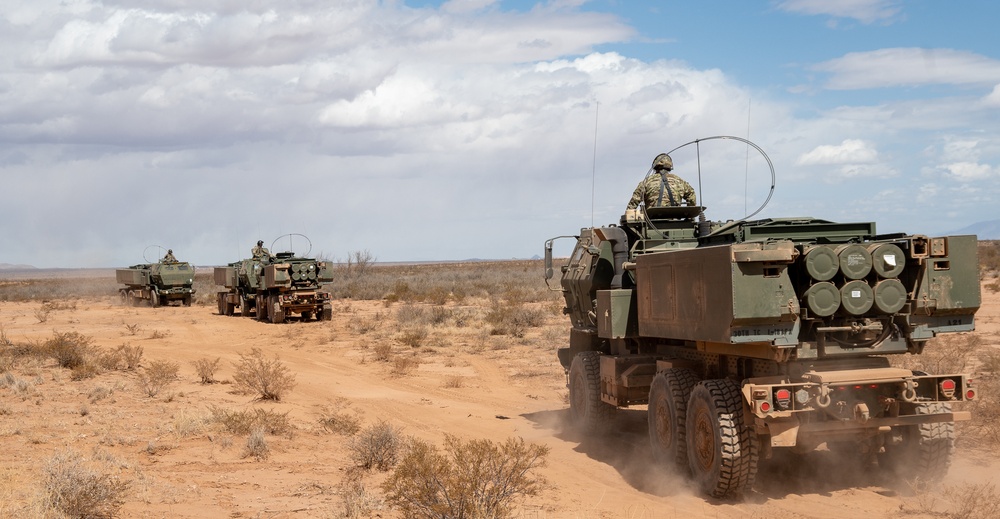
x: 260, y: 243
x: 663, y: 161
x: 170, y: 251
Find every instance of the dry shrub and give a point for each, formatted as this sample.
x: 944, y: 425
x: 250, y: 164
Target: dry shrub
x: 376, y: 446
x: 245, y: 422
x: 358, y: 502
x: 268, y: 378
x: 404, y: 365
x: 454, y: 382
x: 973, y: 501
x: 158, y: 375
x: 339, y: 422
x: 477, y: 478
x: 512, y: 317
x: 989, y: 361
x: 131, y: 355
x: 382, y: 351
x: 363, y: 326
x: 42, y: 313
x: 989, y: 257
x: 983, y: 431
x: 83, y: 489
x: 84, y: 371
x: 955, y: 353
x: 131, y: 329
x: 70, y: 349
x: 414, y: 337
x: 206, y: 369
x: 410, y: 313
x: 257, y: 446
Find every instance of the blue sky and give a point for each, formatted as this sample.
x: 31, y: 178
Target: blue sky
x: 460, y: 129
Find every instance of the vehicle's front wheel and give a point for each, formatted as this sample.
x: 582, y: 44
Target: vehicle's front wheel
x: 275, y: 310
x: 722, y: 450
x: 588, y: 413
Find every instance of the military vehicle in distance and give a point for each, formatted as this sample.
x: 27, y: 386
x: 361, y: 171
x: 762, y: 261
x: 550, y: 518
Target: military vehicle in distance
x: 274, y: 287
x: 748, y: 336
x: 157, y: 283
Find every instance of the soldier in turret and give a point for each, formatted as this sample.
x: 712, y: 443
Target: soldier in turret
x: 663, y: 188
x: 169, y: 257
x: 260, y: 252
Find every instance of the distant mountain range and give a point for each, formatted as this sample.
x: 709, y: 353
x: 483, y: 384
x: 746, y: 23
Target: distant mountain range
x: 8, y: 266
x: 989, y: 230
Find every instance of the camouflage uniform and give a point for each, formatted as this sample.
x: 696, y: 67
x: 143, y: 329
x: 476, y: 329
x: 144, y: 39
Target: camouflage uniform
x: 662, y: 188
x: 260, y: 252
x: 169, y: 258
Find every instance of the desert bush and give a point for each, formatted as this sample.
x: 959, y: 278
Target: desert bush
x: 206, y: 369
x: 257, y: 447
x: 414, y: 337
x: 131, y: 355
x: 339, y: 421
x: 70, y: 349
x: 955, y: 353
x: 158, y: 375
x: 158, y: 334
x: 511, y: 317
x: 404, y: 365
x: 131, y: 328
x: 989, y: 360
x: 377, y: 446
x: 363, y: 326
x: 989, y: 258
x: 477, y: 478
x: 108, y: 360
x: 358, y: 502
x: 268, y: 378
x: 42, y: 313
x: 382, y: 351
x: 245, y: 422
x: 83, y: 489
x: 973, y: 500
x: 84, y: 371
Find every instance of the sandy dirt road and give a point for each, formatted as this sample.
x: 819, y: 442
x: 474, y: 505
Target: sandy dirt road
x: 468, y: 384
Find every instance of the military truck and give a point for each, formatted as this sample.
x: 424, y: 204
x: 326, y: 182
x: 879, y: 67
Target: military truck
x: 747, y: 336
x: 157, y: 284
x: 272, y: 288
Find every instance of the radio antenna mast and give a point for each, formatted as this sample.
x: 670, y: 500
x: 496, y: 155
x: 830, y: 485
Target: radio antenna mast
x: 593, y: 173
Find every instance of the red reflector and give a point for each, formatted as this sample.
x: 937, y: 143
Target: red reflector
x: 970, y: 395
x: 874, y: 386
x: 783, y: 394
x: 948, y: 384
x: 765, y: 407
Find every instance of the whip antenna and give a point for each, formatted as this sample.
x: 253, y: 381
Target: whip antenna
x: 593, y: 173
x: 746, y: 163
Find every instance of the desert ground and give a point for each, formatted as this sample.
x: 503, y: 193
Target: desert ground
x: 426, y: 363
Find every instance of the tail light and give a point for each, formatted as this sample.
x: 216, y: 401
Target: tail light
x: 947, y: 388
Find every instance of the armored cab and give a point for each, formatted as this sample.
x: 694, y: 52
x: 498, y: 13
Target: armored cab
x: 274, y: 287
x: 746, y: 336
x: 157, y: 284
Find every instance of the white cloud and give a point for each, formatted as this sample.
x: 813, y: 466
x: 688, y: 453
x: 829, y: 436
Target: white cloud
x: 969, y: 171
x: 865, y: 11
x: 993, y: 99
x: 849, y: 152
x: 909, y: 67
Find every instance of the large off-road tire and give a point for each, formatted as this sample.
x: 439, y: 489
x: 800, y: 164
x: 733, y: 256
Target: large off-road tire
x: 722, y: 450
x: 260, y: 305
x: 154, y: 299
x: 667, y: 416
x: 327, y: 314
x: 245, y: 306
x: 588, y: 413
x: 187, y: 300
x: 306, y: 315
x: 221, y: 301
x: 124, y: 296
x: 926, y: 449
x: 275, y: 310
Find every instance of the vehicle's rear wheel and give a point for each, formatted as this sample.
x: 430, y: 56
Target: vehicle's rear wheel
x: 925, y: 450
x: 187, y: 300
x: 223, y: 305
x: 260, y: 305
x: 124, y: 296
x: 588, y: 413
x: 667, y: 415
x: 722, y: 450
x: 275, y: 310
x: 327, y: 314
x: 245, y: 306
x: 154, y: 299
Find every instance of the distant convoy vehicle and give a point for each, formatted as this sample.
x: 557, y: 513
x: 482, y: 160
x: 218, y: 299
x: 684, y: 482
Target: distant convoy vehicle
x: 273, y: 287
x: 748, y: 336
x: 157, y: 284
